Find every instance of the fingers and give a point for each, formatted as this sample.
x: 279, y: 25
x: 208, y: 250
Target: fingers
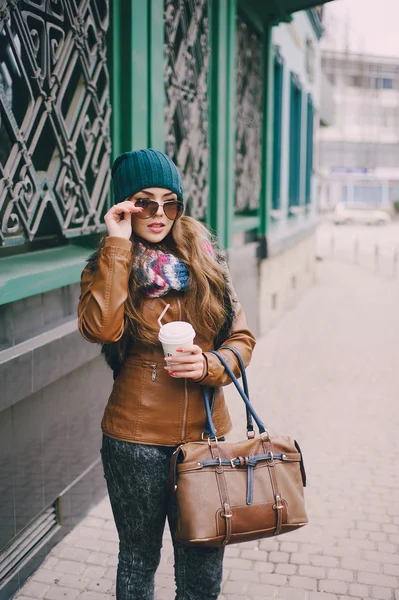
x: 125, y: 207
x: 190, y: 365
x: 194, y: 349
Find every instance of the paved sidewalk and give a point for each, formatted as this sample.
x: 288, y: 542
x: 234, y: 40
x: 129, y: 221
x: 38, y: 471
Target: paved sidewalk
x: 328, y: 374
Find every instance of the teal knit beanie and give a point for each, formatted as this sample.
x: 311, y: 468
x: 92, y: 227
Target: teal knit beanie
x: 135, y: 171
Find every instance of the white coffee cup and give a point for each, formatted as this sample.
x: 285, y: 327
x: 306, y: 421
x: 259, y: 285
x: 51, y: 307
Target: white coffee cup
x: 174, y: 335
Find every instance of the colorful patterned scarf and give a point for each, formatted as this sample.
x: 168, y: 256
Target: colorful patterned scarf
x: 159, y: 272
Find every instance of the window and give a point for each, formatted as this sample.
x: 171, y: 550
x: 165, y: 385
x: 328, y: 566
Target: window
x: 357, y: 81
x: 383, y: 83
x: 309, y: 149
x: 295, y: 141
x: 277, y: 125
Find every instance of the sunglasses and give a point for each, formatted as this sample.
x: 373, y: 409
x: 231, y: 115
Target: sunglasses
x: 173, y: 209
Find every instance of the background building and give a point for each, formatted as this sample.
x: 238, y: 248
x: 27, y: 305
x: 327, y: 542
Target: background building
x: 359, y: 152
x: 233, y: 97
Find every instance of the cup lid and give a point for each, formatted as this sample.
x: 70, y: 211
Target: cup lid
x: 176, y: 331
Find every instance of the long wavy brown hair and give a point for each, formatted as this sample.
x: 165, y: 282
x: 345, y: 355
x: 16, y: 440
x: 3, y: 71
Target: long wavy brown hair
x: 208, y: 279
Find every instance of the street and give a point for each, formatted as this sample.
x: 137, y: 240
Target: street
x: 328, y: 375
x: 375, y: 248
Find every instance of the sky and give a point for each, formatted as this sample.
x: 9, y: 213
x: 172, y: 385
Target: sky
x: 364, y: 26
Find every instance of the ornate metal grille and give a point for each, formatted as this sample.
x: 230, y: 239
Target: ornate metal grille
x: 186, y: 116
x: 54, y: 118
x: 249, y: 94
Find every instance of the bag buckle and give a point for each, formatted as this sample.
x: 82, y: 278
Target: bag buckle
x: 227, y: 514
x: 279, y: 505
x: 212, y: 439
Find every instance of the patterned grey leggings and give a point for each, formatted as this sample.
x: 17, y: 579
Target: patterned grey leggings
x: 137, y: 478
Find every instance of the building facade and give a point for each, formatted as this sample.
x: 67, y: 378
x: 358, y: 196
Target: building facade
x: 359, y: 152
x: 230, y: 90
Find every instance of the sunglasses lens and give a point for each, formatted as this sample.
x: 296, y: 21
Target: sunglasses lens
x: 149, y: 207
x: 173, y: 209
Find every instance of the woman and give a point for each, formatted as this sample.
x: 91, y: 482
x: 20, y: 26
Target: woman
x: 154, y: 256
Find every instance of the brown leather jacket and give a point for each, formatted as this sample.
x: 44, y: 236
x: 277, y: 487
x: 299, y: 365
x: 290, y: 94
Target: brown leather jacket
x: 146, y: 404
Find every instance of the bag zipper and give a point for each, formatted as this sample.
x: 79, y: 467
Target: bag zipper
x: 154, y: 372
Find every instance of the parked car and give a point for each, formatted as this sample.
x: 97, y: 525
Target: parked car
x: 359, y: 214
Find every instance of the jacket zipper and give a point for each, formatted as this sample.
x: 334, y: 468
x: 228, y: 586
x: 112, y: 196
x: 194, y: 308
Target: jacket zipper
x: 185, y: 413
x: 154, y: 372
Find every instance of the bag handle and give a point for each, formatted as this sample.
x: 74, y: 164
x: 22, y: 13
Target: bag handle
x: 250, y: 427
x: 210, y: 427
x: 234, y: 350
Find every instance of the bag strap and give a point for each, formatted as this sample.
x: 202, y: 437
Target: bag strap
x: 210, y: 427
x: 250, y: 426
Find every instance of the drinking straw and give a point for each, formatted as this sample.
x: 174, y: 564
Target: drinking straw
x: 162, y: 314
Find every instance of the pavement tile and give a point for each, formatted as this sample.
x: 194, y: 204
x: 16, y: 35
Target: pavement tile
x: 288, y: 593
x: 299, y: 559
x: 237, y: 563
x: 324, y: 561
x: 35, y: 589
x: 303, y: 583
x: 378, y: 580
x: 333, y: 586
x: 284, y: 569
x: 90, y: 595
x: 279, y: 557
x: 74, y: 554
x: 357, y: 589
x: 240, y: 575
x: 98, y: 558
x: 45, y: 576
x: 256, y: 554
x: 261, y: 589
x: 96, y: 572
x: 340, y: 574
x: 70, y: 566
x: 72, y: 580
x: 391, y: 569
x: 265, y: 567
x: 323, y: 596
x: 235, y: 587
x: 380, y: 593
x: 62, y: 593
x: 101, y: 585
x: 273, y: 578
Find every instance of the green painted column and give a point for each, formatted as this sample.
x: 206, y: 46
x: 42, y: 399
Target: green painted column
x: 222, y: 119
x: 267, y: 135
x: 138, y: 97
x: 230, y: 119
x: 139, y: 70
x: 120, y: 15
x: 156, y: 93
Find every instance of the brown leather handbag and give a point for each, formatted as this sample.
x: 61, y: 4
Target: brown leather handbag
x: 229, y: 492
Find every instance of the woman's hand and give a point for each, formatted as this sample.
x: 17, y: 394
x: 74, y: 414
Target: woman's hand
x: 188, y: 366
x: 118, y: 226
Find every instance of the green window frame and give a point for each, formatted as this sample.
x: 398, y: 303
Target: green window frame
x: 295, y: 162
x: 277, y: 127
x: 309, y: 149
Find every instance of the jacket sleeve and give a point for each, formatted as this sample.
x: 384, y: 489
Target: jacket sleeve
x: 241, y: 338
x: 103, y: 293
